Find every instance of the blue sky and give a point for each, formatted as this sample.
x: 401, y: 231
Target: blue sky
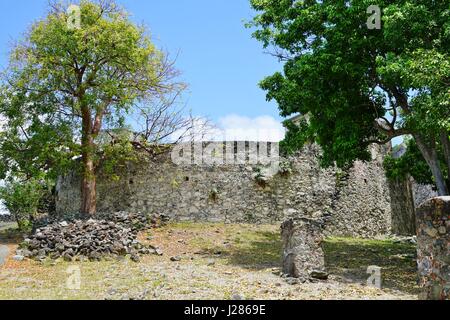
x: 218, y: 58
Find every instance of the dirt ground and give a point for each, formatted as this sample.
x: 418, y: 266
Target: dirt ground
x: 214, y: 261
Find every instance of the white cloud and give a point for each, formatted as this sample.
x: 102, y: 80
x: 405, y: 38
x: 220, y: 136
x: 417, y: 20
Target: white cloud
x: 201, y: 129
x: 241, y: 128
x: 234, y: 127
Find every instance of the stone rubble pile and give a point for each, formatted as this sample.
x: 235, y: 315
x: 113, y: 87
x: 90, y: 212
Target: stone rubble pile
x: 137, y: 221
x: 107, y: 235
x: 6, y: 218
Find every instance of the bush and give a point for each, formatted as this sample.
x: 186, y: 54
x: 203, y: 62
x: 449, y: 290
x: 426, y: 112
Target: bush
x: 22, y: 199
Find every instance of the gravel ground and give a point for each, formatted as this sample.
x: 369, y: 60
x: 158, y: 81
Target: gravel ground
x: 198, y: 261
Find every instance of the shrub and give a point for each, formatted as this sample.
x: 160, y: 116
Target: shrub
x: 22, y: 199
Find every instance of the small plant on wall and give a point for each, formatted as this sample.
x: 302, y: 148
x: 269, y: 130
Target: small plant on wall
x: 214, y: 195
x: 285, y: 168
x: 260, y: 177
x: 175, y: 184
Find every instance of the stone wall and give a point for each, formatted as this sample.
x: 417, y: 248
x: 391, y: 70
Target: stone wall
x: 6, y: 218
x: 403, y: 207
x: 406, y: 196
x: 355, y: 202
x: 433, y: 248
x: 422, y: 192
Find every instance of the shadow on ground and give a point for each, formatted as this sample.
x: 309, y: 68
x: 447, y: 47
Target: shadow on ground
x: 9, y: 234
x: 346, y: 258
x: 349, y: 259
x: 250, y: 246
x: 258, y: 250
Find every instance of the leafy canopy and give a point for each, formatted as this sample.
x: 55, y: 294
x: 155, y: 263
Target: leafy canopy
x: 358, y: 86
x: 64, y: 86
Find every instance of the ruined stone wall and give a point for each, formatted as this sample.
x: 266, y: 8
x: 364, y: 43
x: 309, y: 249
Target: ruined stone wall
x: 403, y: 207
x: 406, y: 196
x: 6, y: 218
x: 355, y: 202
x: 422, y: 192
x: 433, y: 248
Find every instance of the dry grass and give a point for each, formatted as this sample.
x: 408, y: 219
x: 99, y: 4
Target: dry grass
x: 217, y: 261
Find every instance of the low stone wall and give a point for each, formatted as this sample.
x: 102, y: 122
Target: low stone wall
x: 354, y: 202
x: 433, y: 252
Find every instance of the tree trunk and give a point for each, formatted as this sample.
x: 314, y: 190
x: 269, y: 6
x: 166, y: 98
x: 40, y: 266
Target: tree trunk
x: 88, y: 189
x: 88, y: 185
x: 445, y: 141
x: 431, y: 157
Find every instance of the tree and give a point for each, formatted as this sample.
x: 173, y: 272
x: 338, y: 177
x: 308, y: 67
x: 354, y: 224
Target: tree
x: 357, y: 85
x: 23, y: 200
x: 412, y: 163
x: 66, y: 85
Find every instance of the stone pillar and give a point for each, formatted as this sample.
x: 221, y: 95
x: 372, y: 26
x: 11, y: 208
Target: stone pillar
x: 402, y: 207
x: 433, y: 248
x: 303, y: 256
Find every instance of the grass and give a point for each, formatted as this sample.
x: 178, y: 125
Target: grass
x: 217, y: 259
x: 349, y: 258
x: 9, y: 233
x: 248, y: 246
x: 49, y: 281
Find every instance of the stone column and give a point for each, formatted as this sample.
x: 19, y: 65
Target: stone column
x: 303, y: 256
x: 433, y: 248
x: 402, y: 207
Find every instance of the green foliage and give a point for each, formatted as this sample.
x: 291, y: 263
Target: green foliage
x: 410, y: 164
x: 115, y: 152
x: 214, y: 195
x: 22, y: 199
x: 260, y: 177
x: 33, y: 145
x: 64, y: 87
x: 296, y: 136
x: 285, y: 168
x: 348, y: 78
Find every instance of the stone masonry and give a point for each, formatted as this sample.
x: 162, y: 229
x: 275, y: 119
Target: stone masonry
x: 303, y: 256
x: 433, y: 248
x: 353, y: 202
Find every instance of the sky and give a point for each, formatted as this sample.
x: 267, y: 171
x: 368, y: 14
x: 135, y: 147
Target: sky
x: 216, y: 54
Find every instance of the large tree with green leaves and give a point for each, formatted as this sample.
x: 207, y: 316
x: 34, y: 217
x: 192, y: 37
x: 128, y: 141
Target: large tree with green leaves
x: 357, y: 85
x: 67, y: 83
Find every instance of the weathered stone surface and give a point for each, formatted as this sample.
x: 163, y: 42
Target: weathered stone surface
x: 355, y: 202
x: 303, y: 256
x: 433, y: 248
x: 116, y: 235
x: 403, y: 207
x: 422, y: 192
x: 4, y: 251
x: 406, y: 196
x: 6, y: 218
